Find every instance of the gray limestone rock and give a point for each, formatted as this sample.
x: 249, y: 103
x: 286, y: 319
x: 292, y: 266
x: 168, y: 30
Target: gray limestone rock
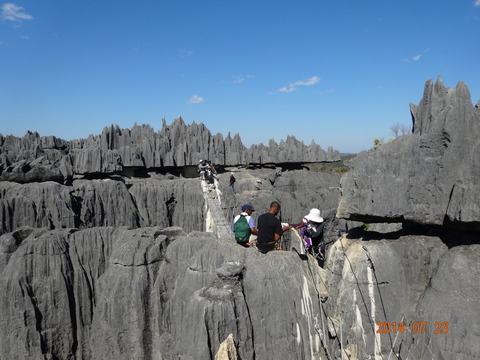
x: 222, y: 288
x: 122, y: 328
x: 93, y: 160
x: 122, y: 293
x: 32, y: 158
x: 449, y: 307
x: 427, y: 177
x: 414, y: 280
x: 38, y: 300
x: 105, y: 203
x: 34, y: 171
x: 37, y: 205
x: 167, y: 203
x: 115, y: 150
x: 129, y: 285
x: 158, y: 293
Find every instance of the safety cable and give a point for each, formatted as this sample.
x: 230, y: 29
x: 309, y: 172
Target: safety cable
x: 395, y: 340
x: 363, y: 298
x: 321, y: 333
x: 372, y: 266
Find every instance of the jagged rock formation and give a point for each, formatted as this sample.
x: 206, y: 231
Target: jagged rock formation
x: 123, y: 293
x: 105, y: 293
x: 92, y: 268
x: 108, y: 202
x: 151, y: 293
x: 429, y: 177
x: 425, y: 274
x: 36, y: 158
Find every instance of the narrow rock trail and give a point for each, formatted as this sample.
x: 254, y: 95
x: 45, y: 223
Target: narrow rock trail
x: 215, y: 218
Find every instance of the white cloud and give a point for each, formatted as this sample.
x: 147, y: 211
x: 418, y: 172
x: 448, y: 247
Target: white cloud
x: 293, y: 86
x: 196, y: 99
x: 288, y: 89
x: 242, y: 79
x: 13, y: 12
x: 476, y: 3
x: 3, y: 43
x: 312, y: 81
x: 413, y: 58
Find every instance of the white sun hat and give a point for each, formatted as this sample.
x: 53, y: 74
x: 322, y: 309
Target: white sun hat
x: 314, y: 215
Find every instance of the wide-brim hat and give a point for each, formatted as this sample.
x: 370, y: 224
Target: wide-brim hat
x: 314, y: 215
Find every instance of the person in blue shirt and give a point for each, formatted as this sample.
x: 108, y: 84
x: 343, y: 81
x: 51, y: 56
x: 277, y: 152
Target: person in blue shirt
x: 244, y: 228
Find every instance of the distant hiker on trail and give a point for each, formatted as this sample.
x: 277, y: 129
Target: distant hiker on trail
x: 232, y: 182
x: 209, y: 175
x: 243, y: 226
x: 211, y: 167
x: 202, y: 166
x: 312, y: 232
x: 270, y: 229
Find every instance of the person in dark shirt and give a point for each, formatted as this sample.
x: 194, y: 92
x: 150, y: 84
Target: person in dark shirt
x: 270, y: 229
x: 232, y: 181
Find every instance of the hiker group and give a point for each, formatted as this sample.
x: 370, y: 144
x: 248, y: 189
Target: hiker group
x: 206, y: 171
x: 269, y: 229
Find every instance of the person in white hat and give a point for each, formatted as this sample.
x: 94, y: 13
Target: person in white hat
x: 312, y: 232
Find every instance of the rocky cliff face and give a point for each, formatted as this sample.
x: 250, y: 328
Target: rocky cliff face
x: 106, y: 202
x: 36, y: 158
x: 423, y: 275
x: 105, y: 293
x: 100, y: 257
x: 429, y: 177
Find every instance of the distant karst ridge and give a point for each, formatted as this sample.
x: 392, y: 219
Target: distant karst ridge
x: 42, y: 158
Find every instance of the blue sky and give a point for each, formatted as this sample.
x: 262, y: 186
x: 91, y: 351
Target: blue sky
x: 339, y: 72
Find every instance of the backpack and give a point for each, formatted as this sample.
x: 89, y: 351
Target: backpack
x: 241, y: 229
